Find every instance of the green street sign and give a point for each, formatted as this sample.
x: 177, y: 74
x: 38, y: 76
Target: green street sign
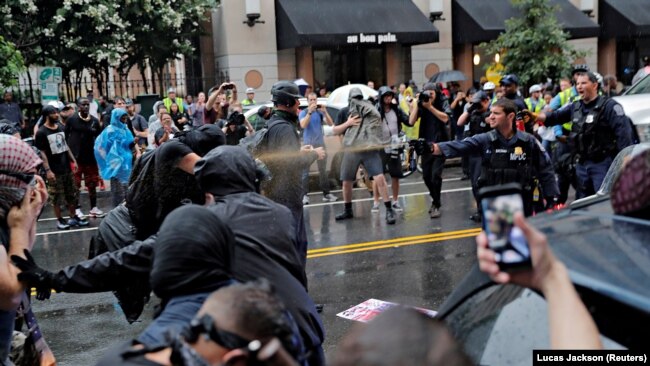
x: 50, y: 74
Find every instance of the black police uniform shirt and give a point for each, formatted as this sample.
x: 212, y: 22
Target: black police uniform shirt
x: 481, y: 144
x: 612, y: 114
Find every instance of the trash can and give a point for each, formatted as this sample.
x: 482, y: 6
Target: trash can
x: 146, y: 102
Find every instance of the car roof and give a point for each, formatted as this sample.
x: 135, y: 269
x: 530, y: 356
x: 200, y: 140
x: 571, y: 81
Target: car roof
x: 607, y: 255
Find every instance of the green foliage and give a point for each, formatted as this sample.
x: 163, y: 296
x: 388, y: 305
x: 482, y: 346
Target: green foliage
x: 534, y: 46
x: 11, y: 63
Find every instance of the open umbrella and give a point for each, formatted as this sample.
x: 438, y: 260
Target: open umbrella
x: 339, y: 97
x: 449, y: 75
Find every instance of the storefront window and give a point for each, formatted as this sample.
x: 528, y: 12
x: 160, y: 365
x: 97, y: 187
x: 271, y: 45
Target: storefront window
x: 350, y: 65
x: 481, y: 60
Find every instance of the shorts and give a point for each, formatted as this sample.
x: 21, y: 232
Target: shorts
x: 90, y: 175
x: 371, y: 161
x: 63, y: 190
x: 391, y: 164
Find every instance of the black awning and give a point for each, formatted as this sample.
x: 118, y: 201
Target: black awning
x: 351, y: 23
x: 628, y: 18
x: 475, y: 21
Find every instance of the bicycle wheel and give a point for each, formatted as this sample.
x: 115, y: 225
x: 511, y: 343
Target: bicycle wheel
x: 405, y: 159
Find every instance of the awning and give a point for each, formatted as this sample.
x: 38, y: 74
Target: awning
x: 476, y: 21
x: 629, y: 18
x: 331, y: 23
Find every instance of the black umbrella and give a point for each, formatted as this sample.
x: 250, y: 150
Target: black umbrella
x: 449, y: 75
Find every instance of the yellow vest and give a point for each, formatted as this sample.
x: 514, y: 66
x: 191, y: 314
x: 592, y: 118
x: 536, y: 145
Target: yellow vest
x: 538, y: 107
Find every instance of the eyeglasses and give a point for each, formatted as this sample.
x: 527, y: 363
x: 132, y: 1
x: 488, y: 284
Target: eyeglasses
x: 29, y: 178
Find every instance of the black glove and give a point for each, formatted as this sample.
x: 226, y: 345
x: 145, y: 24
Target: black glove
x: 34, y: 276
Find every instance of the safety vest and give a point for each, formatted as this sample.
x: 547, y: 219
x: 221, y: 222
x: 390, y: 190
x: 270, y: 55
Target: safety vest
x: 591, y: 137
x: 168, y: 102
x: 568, y: 95
x: 248, y: 102
x: 538, y: 107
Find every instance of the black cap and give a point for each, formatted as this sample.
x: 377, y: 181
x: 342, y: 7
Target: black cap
x: 580, y: 68
x: 480, y: 96
x: 48, y: 109
x: 509, y: 79
x: 284, y: 91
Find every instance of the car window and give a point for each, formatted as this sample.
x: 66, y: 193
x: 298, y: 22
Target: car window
x: 502, y: 325
x: 642, y: 87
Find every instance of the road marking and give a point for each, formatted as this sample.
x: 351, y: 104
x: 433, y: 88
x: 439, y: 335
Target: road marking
x: 473, y: 231
x: 306, y: 206
x: 415, y: 242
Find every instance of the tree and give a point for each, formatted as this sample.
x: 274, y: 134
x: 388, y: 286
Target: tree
x: 534, y: 46
x: 11, y: 63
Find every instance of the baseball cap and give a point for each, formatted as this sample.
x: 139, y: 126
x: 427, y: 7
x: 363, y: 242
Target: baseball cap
x: 128, y: 101
x: 250, y: 90
x: 489, y: 86
x: 535, y: 88
x: 56, y: 104
x: 479, y: 96
x: 510, y: 79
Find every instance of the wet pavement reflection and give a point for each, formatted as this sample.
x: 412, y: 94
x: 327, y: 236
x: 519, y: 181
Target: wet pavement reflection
x: 416, y: 262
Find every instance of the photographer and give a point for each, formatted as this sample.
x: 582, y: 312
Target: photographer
x: 237, y: 128
x: 432, y: 108
x: 216, y: 108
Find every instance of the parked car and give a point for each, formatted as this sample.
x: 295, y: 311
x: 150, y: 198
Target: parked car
x: 608, y: 258
x: 636, y: 103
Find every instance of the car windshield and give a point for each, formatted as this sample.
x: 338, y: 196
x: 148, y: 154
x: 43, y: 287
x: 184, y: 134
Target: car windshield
x: 618, y: 164
x: 642, y: 87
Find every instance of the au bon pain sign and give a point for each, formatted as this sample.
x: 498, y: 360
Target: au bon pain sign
x: 363, y: 38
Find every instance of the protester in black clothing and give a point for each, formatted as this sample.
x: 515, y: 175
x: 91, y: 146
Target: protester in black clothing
x: 181, y: 119
x: 286, y: 158
x: 81, y: 131
x: 432, y: 108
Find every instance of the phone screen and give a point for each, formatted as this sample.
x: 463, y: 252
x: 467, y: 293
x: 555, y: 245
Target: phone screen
x: 506, y: 240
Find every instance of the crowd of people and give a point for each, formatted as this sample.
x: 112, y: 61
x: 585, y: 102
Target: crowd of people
x: 233, y: 294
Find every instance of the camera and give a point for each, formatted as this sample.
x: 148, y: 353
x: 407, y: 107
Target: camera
x: 473, y: 107
x: 425, y: 97
x: 229, y: 86
x: 236, y: 119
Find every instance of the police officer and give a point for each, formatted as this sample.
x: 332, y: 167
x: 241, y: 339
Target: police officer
x: 476, y: 116
x: 508, y: 155
x: 599, y: 131
x: 510, y: 88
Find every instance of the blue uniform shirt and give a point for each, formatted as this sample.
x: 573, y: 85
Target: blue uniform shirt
x: 313, y: 133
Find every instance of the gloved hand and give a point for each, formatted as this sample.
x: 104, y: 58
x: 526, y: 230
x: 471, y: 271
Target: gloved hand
x: 551, y: 203
x: 34, y: 276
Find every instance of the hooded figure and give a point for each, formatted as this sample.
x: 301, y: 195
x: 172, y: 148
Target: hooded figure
x: 113, y: 149
x: 265, y: 238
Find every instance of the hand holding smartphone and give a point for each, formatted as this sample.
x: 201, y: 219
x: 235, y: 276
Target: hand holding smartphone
x: 499, y: 205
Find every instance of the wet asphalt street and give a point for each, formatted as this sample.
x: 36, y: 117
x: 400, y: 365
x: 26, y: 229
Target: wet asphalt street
x: 416, y: 262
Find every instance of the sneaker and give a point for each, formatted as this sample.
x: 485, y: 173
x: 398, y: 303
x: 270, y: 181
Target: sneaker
x: 329, y: 198
x: 344, y: 215
x: 95, y: 212
x: 305, y: 200
x: 397, y: 207
x: 390, y: 216
x: 78, y: 213
x: 62, y: 225
x: 76, y: 221
x: 375, y: 207
x: 434, y: 213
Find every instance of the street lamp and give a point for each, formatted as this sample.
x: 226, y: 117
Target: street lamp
x: 587, y: 7
x: 435, y: 10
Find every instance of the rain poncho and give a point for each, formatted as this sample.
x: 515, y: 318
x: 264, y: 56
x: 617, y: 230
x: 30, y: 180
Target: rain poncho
x: 113, y: 149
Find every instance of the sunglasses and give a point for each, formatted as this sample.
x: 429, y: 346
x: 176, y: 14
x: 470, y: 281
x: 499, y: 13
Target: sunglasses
x: 29, y: 178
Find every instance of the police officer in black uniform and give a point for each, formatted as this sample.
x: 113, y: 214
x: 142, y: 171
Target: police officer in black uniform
x: 476, y: 116
x: 599, y: 131
x: 508, y: 155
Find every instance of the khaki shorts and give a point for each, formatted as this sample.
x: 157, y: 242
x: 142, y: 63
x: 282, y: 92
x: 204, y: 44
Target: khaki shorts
x: 63, y: 190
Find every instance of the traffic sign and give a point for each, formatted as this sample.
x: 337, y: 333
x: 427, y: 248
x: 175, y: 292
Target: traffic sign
x: 49, y: 74
x: 49, y: 92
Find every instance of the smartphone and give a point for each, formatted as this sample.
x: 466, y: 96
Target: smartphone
x: 499, y: 205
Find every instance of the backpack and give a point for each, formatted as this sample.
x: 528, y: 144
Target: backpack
x: 257, y: 143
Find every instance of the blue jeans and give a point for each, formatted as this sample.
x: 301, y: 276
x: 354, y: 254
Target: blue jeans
x: 322, y: 175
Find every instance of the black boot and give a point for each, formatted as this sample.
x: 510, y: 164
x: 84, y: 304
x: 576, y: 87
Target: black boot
x: 346, y: 214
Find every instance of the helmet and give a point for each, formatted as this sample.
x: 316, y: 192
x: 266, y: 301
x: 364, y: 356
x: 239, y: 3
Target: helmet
x: 285, y: 93
x: 489, y: 86
x: 384, y: 90
x: 580, y: 68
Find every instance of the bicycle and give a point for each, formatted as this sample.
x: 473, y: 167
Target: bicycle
x: 410, y: 159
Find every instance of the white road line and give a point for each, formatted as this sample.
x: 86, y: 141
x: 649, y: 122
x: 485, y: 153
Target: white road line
x: 306, y: 206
